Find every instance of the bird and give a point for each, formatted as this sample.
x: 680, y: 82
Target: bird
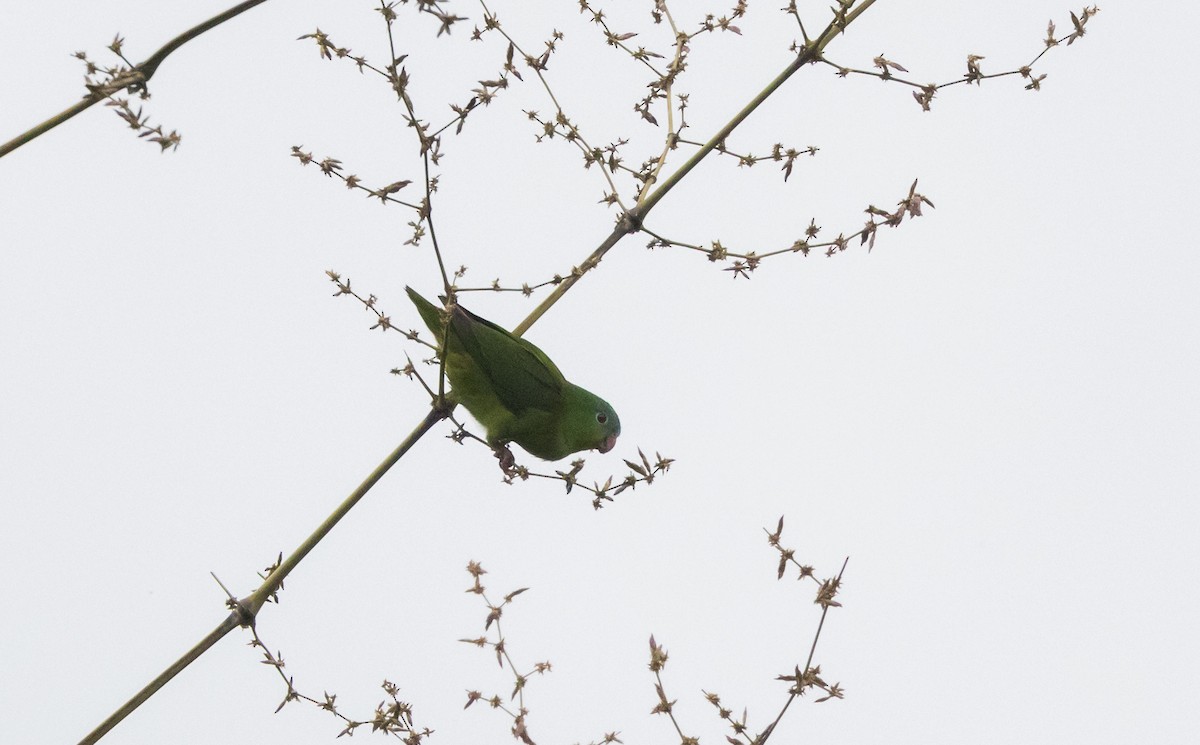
x: 514, y: 390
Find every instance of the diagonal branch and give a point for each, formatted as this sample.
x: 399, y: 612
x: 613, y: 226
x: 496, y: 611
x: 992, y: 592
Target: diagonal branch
x: 245, y: 609
x: 138, y: 77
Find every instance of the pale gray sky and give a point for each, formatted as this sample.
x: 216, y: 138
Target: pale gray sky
x: 993, y: 414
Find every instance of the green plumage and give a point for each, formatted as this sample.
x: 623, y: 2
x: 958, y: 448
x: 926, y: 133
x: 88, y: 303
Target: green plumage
x: 513, y: 388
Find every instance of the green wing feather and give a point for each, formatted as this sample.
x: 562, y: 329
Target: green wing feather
x: 521, y: 375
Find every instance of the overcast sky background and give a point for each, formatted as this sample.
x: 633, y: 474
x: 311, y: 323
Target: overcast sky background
x: 994, y: 414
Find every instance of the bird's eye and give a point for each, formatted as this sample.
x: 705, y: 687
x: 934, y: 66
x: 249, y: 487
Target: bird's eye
x: 601, y: 417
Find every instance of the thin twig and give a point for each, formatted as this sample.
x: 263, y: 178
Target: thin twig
x: 807, y: 665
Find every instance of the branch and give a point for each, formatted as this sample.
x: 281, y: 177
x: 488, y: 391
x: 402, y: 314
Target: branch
x: 136, y: 78
x: 229, y: 624
x: 632, y: 220
x: 246, y: 609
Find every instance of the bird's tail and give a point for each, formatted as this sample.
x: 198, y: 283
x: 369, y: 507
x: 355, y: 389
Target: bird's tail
x: 430, y: 313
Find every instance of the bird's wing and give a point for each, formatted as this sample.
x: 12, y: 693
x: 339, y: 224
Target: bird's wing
x: 522, y: 376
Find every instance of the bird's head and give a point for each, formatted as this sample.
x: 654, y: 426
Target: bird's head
x: 609, y: 426
x: 591, y: 423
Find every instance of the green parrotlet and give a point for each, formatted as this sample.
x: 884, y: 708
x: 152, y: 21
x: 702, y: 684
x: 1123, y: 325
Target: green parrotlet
x: 513, y: 389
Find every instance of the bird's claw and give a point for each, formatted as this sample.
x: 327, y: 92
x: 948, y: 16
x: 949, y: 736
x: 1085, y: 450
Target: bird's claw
x: 505, y: 456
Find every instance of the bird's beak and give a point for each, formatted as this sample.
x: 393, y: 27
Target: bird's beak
x: 609, y: 443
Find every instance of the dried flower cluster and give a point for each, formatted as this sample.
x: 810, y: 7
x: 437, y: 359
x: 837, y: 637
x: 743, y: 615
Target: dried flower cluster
x: 514, y: 705
x: 924, y: 93
x: 802, y: 679
x: 392, y: 716
x: 106, y: 81
x: 662, y: 102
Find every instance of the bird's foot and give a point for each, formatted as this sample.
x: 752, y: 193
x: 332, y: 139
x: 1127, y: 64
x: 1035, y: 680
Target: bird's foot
x: 505, y: 456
